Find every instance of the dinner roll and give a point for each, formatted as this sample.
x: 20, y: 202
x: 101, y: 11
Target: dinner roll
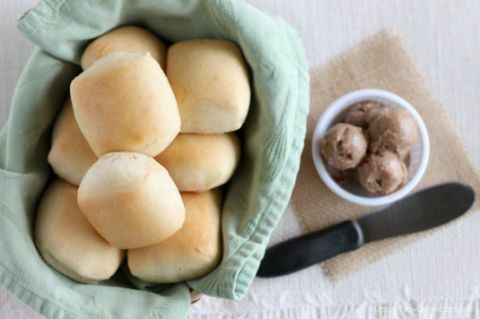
x: 210, y: 81
x: 68, y: 242
x: 131, y: 200
x: 70, y: 155
x: 126, y: 39
x: 201, y: 162
x: 124, y: 103
x: 192, y: 252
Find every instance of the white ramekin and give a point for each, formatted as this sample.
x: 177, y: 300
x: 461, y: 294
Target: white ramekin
x: 353, y: 192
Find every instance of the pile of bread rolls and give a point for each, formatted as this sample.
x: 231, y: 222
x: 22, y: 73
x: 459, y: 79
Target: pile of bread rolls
x: 140, y: 150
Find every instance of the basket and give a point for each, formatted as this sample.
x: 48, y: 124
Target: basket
x: 272, y: 141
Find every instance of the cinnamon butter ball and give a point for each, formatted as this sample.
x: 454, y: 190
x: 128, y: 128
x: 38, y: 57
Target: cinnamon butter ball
x: 340, y: 176
x: 383, y: 173
x: 360, y: 114
x: 344, y: 146
x: 394, y: 130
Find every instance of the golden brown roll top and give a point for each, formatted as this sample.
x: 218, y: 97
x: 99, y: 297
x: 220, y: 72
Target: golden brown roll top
x: 201, y: 162
x: 131, y: 200
x: 125, y: 39
x: 192, y: 252
x: 124, y: 102
x: 211, y: 83
x: 68, y: 242
x: 70, y: 155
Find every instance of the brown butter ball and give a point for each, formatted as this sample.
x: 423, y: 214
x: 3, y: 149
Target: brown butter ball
x: 382, y: 173
x: 342, y: 177
x: 344, y: 146
x: 392, y: 129
x: 360, y: 114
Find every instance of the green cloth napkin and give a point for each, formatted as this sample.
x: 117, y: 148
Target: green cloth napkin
x: 256, y: 197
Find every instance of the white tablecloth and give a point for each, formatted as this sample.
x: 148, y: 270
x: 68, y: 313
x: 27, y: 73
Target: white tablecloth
x: 438, y: 276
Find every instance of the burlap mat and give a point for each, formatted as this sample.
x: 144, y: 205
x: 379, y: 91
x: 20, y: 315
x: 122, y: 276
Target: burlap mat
x: 379, y: 62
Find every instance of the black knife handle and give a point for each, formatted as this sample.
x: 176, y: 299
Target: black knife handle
x: 310, y: 249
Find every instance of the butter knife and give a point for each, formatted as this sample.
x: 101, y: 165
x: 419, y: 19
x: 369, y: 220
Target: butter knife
x: 423, y: 210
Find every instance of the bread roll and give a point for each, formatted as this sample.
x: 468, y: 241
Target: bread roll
x: 70, y: 155
x: 211, y: 84
x: 131, y: 200
x: 192, y: 252
x: 126, y: 39
x: 124, y: 103
x: 68, y: 242
x: 201, y: 162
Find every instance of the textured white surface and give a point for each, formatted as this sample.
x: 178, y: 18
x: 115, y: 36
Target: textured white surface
x: 437, y: 276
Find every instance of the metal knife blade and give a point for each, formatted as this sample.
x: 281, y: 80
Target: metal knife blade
x: 423, y: 210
